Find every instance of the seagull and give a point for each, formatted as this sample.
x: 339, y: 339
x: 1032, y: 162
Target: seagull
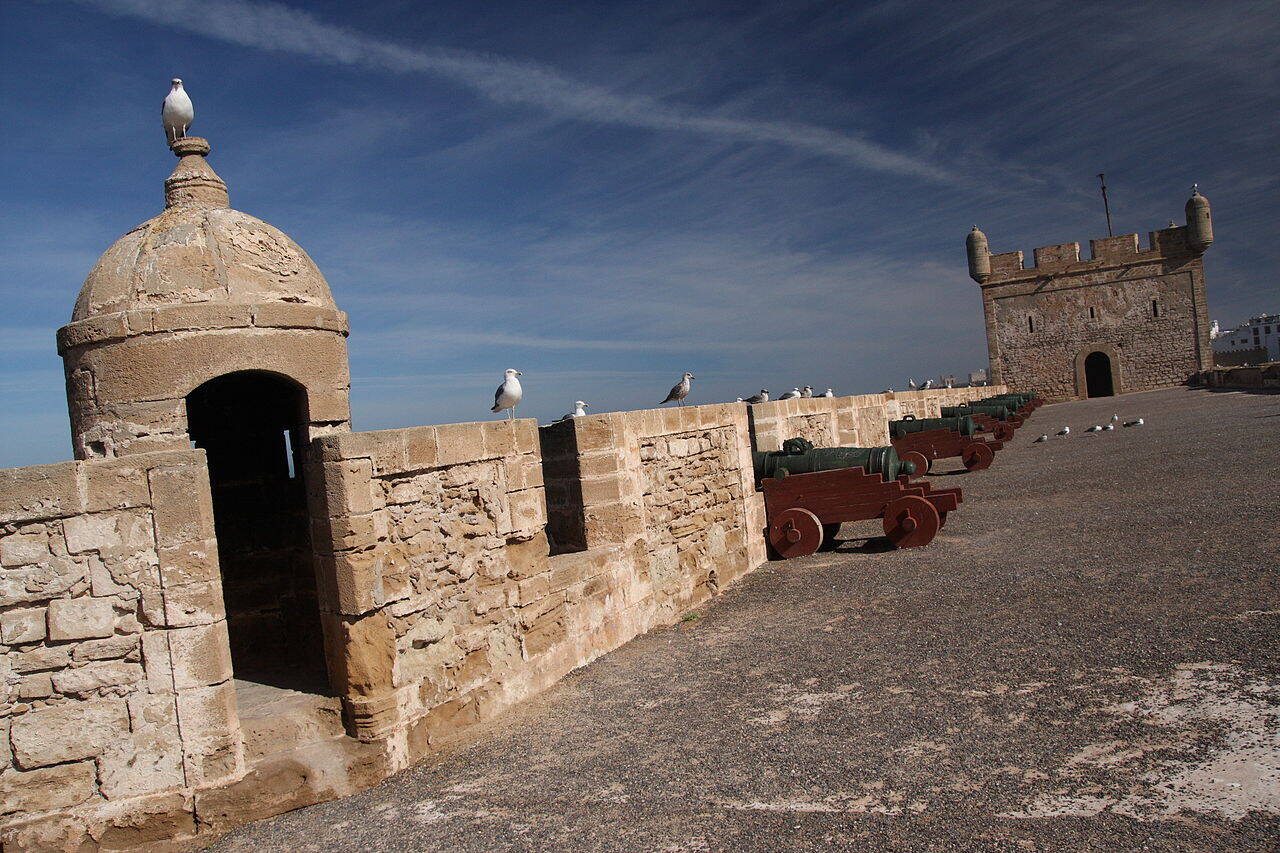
x: 806, y: 391
x: 911, y: 383
x: 679, y: 391
x: 762, y: 397
x: 1094, y: 428
x: 739, y: 400
x: 928, y: 383
x: 508, y: 394
x: 176, y: 112
x: 1065, y: 431
x: 1044, y: 437
x: 1138, y: 422
x: 829, y: 393
x: 1108, y: 427
x: 579, y: 411
x: 790, y: 395
x: 1115, y: 419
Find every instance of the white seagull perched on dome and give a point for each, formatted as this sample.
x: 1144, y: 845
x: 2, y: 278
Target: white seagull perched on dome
x: 679, y: 391
x: 509, y: 393
x: 176, y: 112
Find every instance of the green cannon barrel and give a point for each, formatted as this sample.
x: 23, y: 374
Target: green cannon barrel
x: 996, y: 411
x: 799, y: 456
x: 962, y: 425
x: 1018, y: 400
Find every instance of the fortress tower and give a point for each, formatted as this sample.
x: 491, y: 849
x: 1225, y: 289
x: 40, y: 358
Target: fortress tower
x: 207, y: 327
x: 1126, y: 319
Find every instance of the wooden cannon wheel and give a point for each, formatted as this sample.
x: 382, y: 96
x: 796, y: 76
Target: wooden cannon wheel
x: 1003, y: 432
x: 977, y: 456
x: 918, y: 459
x: 795, y: 532
x: 910, y: 522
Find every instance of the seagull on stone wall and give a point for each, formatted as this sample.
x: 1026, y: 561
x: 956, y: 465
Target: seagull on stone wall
x: 176, y: 112
x: 911, y: 383
x: 579, y: 411
x: 679, y: 391
x: 828, y: 393
x: 790, y: 395
x: 762, y: 397
x: 928, y: 383
x: 509, y: 393
x: 806, y: 391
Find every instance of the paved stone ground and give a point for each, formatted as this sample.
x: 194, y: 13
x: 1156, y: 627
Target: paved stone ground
x: 1086, y: 659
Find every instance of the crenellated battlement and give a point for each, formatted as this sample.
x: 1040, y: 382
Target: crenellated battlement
x: 1164, y: 244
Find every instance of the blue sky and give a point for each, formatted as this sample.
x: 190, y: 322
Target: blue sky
x: 607, y: 195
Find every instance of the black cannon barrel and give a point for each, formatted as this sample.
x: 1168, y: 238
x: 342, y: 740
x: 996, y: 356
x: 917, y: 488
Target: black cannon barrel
x: 963, y: 425
x: 799, y: 456
x: 996, y: 411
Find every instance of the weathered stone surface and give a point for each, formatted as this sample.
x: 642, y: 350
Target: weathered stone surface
x: 200, y: 655
x: 23, y: 549
x: 108, y: 531
x: 47, y: 788
x: 80, y: 618
x: 147, y: 758
x: 22, y: 626
x: 64, y: 733
x: 92, y: 677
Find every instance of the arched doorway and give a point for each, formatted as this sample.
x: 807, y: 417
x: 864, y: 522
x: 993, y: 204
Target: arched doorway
x: 1097, y: 375
x: 252, y: 425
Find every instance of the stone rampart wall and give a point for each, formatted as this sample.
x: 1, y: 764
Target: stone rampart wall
x: 1256, y: 376
x: 115, y: 692
x: 856, y: 421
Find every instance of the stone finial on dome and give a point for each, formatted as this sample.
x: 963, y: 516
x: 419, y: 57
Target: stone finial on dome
x: 193, y: 182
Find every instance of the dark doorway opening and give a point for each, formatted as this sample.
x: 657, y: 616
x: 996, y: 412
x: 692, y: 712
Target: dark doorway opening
x: 1097, y: 375
x: 252, y: 425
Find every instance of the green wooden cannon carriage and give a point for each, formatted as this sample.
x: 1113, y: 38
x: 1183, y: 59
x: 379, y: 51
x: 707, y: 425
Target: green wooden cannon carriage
x: 810, y: 491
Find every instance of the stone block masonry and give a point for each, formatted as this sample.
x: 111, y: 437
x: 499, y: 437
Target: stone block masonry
x: 1143, y: 311
x: 111, y: 640
x: 460, y: 569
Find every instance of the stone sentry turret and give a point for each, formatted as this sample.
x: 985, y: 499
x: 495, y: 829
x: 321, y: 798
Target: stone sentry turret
x: 199, y: 292
x: 1125, y: 319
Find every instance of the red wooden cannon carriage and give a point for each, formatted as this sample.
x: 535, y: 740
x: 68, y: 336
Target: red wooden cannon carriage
x: 922, y: 440
x: 806, y: 508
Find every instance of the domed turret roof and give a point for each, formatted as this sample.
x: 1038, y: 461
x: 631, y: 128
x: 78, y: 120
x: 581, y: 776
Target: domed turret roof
x: 200, y: 251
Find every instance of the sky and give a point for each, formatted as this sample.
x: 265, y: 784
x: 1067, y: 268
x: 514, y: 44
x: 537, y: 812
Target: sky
x: 605, y: 195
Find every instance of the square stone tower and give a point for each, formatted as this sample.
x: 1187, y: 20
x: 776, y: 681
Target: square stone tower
x: 1126, y: 319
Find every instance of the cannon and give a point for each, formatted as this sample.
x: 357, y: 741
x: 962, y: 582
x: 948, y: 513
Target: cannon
x: 986, y: 416
x: 1023, y: 404
x: 1028, y: 401
x: 809, y: 491
x: 921, y: 440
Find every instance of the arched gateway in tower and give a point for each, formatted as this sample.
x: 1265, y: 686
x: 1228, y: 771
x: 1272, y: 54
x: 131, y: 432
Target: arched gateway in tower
x: 207, y: 327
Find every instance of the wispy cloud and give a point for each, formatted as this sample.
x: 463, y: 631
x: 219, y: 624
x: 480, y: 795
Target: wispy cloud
x: 271, y: 26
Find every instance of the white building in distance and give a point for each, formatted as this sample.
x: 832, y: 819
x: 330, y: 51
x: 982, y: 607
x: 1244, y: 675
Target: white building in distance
x: 1259, y: 333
